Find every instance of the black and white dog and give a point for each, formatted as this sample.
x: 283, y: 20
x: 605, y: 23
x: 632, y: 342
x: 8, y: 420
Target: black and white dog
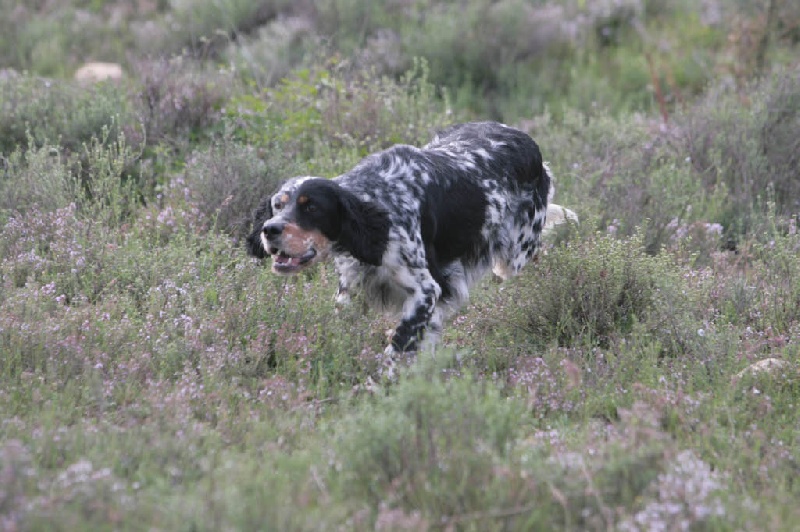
x: 414, y: 228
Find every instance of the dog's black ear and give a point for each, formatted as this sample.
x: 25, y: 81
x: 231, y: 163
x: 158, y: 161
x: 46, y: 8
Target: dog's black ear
x: 365, y: 228
x: 253, y: 243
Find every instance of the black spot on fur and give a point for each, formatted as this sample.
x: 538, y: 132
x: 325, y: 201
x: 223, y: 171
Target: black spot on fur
x: 253, y: 242
x: 453, y: 215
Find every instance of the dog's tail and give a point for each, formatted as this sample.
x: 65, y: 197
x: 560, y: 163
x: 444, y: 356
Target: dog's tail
x: 556, y: 214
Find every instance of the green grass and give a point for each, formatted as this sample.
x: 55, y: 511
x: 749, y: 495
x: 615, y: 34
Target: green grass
x: 152, y: 376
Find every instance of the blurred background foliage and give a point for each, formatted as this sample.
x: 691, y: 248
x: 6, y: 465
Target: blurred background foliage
x: 323, y: 83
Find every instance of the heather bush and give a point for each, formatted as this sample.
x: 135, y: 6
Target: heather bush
x: 203, y: 28
x: 259, y: 488
x: 506, y: 58
x: 749, y: 150
x: 352, y: 22
x: 59, y: 112
x: 180, y: 100
x: 333, y: 117
x: 227, y: 181
x: 174, y: 295
x: 36, y: 176
x: 596, y: 291
x: 54, y: 38
x: 100, y: 180
x: 274, y: 50
x: 759, y: 288
x: 426, y: 446
x: 423, y: 442
x: 482, y: 48
x: 108, y: 189
x: 631, y: 174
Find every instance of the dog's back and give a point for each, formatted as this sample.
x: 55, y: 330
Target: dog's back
x: 476, y: 194
x: 517, y: 186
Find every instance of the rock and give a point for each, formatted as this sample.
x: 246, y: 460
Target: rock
x: 8, y: 73
x: 96, y: 72
x: 769, y: 367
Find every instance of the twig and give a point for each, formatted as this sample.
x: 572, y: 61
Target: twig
x: 320, y: 485
x: 315, y: 402
x: 604, y: 509
x: 763, y: 41
x: 662, y: 104
x: 492, y: 514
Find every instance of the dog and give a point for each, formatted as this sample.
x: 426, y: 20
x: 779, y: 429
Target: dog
x: 414, y: 228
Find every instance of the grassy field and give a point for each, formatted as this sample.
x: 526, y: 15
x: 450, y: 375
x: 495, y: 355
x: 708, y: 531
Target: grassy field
x: 153, y: 377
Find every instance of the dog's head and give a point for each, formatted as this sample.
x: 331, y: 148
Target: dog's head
x: 310, y: 217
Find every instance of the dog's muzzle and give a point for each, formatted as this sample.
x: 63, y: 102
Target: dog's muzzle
x: 283, y: 262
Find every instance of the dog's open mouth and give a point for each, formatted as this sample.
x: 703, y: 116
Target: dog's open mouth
x: 283, y: 263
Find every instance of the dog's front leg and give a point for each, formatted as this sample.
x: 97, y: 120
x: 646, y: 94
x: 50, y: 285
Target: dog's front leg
x: 423, y: 293
x: 342, y: 297
x: 418, y: 311
x: 344, y: 271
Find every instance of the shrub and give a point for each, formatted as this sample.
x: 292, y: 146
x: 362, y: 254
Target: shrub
x: 59, y: 112
x: 53, y: 38
x: 449, y: 453
x: 36, y: 176
x: 274, y: 50
x: 433, y: 445
x: 631, y: 174
x: 99, y: 179
x: 180, y: 100
x: 69, y: 207
x: 747, y: 145
x: 332, y: 117
x: 228, y: 180
x: 594, y: 292
x: 352, y: 22
x: 481, y: 48
x: 107, y: 189
x: 204, y: 28
x: 764, y: 296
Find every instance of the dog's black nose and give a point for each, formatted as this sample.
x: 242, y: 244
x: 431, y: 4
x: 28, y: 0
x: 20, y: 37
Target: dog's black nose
x: 273, y: 229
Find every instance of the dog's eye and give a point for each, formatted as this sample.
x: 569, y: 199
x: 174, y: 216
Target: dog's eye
x: 277, y: 207
x: 310, y: 207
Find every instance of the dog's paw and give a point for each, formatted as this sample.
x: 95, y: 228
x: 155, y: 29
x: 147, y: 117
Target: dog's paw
x: 388, y: 369
x: 342, y: 299
x: 369, y: 387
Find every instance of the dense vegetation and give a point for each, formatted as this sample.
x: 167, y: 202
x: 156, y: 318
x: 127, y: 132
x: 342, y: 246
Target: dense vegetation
x: 152, y: 376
